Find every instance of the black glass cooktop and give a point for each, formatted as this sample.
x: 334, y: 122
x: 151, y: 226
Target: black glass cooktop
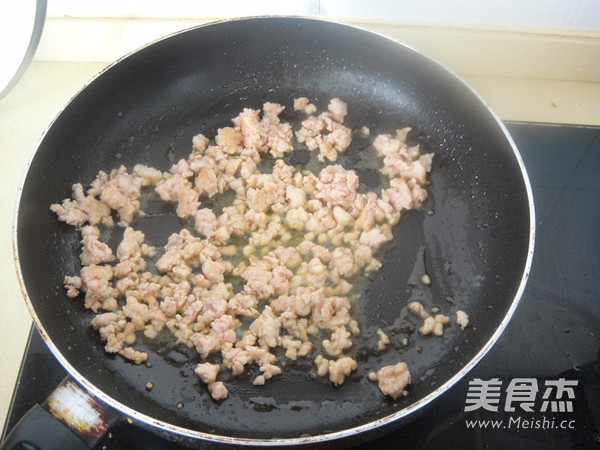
x: 539, y: 386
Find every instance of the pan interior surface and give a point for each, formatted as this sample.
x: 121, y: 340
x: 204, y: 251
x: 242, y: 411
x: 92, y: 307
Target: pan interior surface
x: 471, y: 237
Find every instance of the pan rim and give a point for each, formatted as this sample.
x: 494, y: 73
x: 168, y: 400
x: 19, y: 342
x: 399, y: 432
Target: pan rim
x: 315, y: 439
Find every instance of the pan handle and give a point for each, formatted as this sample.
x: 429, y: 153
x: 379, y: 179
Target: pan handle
x: 70, y: 418
x: 38, y: 429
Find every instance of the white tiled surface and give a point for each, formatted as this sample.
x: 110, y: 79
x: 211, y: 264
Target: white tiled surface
x: 533, y: 93
x: 580, y: 14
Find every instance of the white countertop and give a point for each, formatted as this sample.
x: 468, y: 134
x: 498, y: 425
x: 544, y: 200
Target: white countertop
x: 24, y: 114
x: 46, y: 87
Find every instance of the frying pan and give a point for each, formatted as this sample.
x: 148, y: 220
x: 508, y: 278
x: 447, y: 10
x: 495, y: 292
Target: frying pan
x: 474, y: 236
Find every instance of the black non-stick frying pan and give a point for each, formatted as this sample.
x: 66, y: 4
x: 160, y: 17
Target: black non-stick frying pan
x: 476, y: 246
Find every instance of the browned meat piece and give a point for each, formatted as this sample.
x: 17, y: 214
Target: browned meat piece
x: 392, y: 379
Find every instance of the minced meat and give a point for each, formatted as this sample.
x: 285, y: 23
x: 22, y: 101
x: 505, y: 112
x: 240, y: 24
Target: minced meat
x: 306, y: 238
